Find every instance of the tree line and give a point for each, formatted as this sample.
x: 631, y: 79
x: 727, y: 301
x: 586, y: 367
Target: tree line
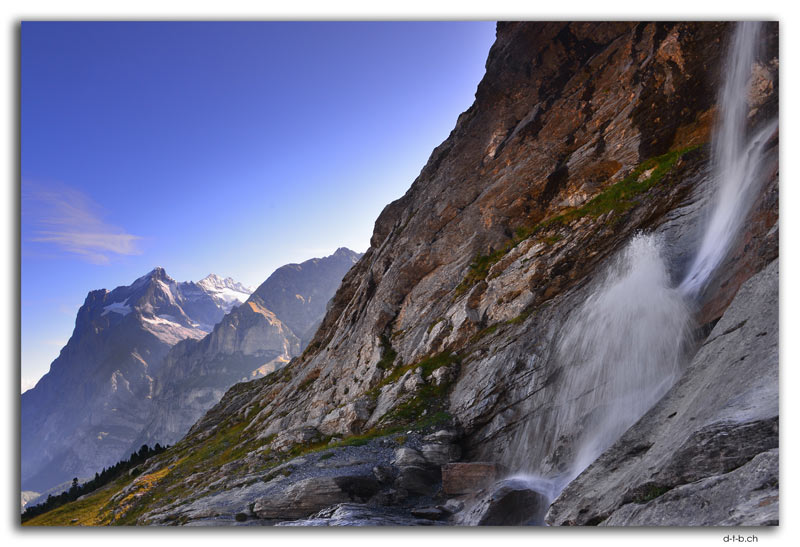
x: 100, y: 479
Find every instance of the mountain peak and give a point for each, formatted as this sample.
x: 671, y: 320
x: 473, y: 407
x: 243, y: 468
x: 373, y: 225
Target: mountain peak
x: 157, y: 273
x: 344, y: 251
x: 215, y: 282
x: 212, y: 277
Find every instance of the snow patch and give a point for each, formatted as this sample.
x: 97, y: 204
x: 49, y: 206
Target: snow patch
x: 121, y: 308
x: 225, y: 292
x: 170, y: 331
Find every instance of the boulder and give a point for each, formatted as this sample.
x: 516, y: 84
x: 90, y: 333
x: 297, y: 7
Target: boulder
x: 453, y: 506
x: 310, y: 495
x: 408, y: 456
x: 291, y: 437
x: 448, y: 436
x: 440, y: 454
x: 511, y: 502
x: 416, y: 479
x: 348, y: 419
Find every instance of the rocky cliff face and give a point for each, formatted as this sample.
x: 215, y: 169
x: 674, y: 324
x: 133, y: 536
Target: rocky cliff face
x: 84, y: 413
x: 440, y: 344
x: 255, y: 339
x: 299, y: 293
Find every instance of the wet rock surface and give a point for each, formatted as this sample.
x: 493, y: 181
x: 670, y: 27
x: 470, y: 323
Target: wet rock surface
x: 350, y: 514
x: 720, y: 416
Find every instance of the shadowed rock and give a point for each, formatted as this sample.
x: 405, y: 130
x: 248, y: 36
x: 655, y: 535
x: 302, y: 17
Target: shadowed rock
x: 511, y: 502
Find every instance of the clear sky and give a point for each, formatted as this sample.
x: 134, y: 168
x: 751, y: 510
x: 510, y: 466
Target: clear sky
x: 231, y: 148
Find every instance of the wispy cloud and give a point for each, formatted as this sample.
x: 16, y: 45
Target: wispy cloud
x: 70, y: 220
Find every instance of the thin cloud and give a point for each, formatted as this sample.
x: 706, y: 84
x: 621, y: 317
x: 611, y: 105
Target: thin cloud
x: 72, y: 222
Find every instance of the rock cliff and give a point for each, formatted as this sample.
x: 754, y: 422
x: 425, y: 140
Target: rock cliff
x: 440, y: 346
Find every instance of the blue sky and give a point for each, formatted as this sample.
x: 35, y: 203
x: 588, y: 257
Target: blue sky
x: 231, y: 148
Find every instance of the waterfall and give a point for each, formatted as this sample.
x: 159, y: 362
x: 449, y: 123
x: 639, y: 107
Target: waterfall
x: 618, y: 354
x: 736, y: 162
x: 624, y: 350
x: 625, y: 346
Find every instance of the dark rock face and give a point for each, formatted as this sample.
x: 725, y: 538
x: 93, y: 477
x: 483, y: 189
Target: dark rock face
x: 511, y: 502
x: 454, y: 313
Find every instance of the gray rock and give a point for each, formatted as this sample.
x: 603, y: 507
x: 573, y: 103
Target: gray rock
x: 511, y: 502
x: 307, y: 496
x: 349, y: 418
x: 453, y: 506
x: 421, y: 480
x: 384, y: 474
x: 447, y: 436
x: 353, y: 514
x: 440, y: 454
x: 747, y: 496
x: 443, y: 375
x: 291, y: 437
x: 408, y: 456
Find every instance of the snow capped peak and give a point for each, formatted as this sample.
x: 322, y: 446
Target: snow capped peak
x: 228, y: 292
x: 214, y: 283
x: 159, y: 273
x: 156, y: 273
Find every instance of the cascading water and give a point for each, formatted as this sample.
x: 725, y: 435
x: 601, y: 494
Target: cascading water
x: 736, y: 161
x: 617, y: 355
x: 624, y: 347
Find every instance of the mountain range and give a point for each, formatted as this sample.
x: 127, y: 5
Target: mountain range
x: 257, y: 338
x: 134, y: 347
